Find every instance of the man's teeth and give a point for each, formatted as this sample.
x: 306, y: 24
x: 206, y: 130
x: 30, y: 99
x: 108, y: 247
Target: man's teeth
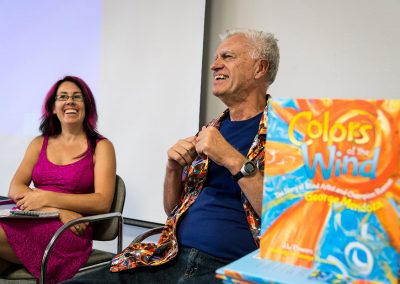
x: 221, y: 77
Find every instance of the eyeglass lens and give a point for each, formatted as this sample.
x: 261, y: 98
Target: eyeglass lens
x: 75, y: 97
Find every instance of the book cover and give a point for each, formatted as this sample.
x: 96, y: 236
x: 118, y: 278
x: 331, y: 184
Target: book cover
x: 332, y: 188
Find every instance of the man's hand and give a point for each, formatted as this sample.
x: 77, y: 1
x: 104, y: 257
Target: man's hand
x: 182, y: 153
x: 211, y: 143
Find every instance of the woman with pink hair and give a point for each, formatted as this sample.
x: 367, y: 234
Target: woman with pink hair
x: 71, y: 168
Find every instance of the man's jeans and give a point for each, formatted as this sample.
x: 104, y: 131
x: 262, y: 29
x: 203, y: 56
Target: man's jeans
x: 191, y: 266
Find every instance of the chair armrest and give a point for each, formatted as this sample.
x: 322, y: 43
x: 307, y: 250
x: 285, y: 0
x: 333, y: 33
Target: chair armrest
x: 148, y: 233
x: 66, y: 226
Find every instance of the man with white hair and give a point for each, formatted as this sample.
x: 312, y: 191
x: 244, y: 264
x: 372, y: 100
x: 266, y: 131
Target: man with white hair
x: 214, y: 180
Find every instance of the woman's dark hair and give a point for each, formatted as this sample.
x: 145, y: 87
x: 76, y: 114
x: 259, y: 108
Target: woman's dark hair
x: 50, y: 125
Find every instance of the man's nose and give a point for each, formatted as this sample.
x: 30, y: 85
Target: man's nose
x: 217, y: 64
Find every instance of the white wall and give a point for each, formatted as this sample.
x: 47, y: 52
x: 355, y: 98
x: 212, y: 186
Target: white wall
x: 150, y: 78
x: 338, y: 49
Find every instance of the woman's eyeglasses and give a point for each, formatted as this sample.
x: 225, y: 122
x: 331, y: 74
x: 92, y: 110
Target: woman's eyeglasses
x: 74, y: 97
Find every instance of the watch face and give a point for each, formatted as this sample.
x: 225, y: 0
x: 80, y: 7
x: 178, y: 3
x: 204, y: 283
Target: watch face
x: 249, y: 167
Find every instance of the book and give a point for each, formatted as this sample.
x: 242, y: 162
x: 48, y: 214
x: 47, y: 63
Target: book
x: 5, y: 200
x: 24, y: 214
x: 254, y: 269
x: 331, y: 191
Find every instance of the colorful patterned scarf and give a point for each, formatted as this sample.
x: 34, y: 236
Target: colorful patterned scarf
x: 151, y: 254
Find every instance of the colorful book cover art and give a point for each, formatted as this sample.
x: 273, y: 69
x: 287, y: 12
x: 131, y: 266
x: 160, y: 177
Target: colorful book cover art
x: 332, y: 188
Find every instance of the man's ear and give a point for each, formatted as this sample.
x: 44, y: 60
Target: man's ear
x: 261, y: 69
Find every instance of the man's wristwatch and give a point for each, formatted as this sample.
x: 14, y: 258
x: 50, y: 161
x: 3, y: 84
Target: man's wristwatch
x: 249, y: 168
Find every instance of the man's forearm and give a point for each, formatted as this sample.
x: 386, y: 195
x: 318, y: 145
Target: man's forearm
x: 172, y: 189
x: 252, y: 187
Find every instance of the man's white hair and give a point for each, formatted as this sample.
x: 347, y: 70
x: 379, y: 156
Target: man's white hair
x: 265, y: 46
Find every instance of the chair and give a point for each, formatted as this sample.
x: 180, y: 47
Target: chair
x: 106, y: 227
x: 148, y: 233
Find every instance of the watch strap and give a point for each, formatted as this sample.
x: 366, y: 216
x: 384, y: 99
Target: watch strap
x: 244, y: 170
x: 238, y: 176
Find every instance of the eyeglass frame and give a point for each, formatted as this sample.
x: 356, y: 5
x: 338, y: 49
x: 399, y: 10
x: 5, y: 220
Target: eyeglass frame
x: 75, y: 97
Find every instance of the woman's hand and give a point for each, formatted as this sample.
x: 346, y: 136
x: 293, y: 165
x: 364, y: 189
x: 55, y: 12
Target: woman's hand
x: 33, y: 199
x: 67, y: 215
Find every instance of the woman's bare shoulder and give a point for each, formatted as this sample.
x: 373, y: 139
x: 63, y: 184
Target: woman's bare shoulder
x: 37, y: 142
x: 105, y: 144
x: 35, y: 146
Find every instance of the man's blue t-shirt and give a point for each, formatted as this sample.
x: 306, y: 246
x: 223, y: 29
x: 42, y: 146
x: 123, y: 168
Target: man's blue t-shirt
x: 216, y: 222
